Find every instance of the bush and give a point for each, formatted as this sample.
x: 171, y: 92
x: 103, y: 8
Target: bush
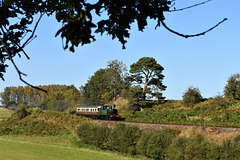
x: 159, y: 142
x: 193, y: 147
x: 124, y: 138
x: 192, y: 96
x: 95, y: 134
x: 219, y: 102
x: 21, y: 112
x: 226, y: 150
x: 143, y: 141
x: 177, y: 150
x: 133, y: 108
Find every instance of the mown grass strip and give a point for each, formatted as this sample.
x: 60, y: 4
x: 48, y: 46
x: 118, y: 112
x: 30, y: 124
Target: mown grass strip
x: 11, y: 149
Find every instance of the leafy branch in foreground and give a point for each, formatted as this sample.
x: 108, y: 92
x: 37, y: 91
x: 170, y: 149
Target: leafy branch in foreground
x: 79, y: 24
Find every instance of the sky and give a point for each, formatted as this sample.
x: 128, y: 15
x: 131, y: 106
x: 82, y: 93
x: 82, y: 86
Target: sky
x: 205, y: 61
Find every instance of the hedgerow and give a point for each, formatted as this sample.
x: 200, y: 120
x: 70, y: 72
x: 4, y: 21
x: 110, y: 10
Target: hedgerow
x: 124, y: 138
x: 159, y: 142
x: 143, y: 142
x: 165, y: 144
x: 91, y: 133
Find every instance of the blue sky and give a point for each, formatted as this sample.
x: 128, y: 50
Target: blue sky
x: 205, y: 62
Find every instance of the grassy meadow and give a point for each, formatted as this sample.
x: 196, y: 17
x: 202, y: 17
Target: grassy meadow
x: 54, y: 148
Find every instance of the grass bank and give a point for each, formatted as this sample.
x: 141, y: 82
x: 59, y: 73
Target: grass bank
x: 215, y: 112
x: 5, y: 113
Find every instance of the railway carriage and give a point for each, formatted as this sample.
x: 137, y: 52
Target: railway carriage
x: 98, y: 112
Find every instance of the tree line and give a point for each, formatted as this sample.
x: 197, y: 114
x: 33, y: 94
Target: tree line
x: 58, y: 97
x: 143, y: 81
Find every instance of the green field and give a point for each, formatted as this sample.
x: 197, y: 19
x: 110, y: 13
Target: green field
x: 4, y: 113
x: 39, y: 148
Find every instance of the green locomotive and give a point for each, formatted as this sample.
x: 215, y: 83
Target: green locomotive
x: 98, y: 112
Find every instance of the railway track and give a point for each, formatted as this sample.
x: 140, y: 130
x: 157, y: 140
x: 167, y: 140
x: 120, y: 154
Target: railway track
x: 159, y: 126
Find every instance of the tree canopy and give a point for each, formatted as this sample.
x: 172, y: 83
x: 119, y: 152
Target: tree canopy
x: 147, y: 74
x: 105, y: 84
x: 79, y: 23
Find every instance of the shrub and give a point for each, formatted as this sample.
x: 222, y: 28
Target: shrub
x: 192, y: 96
x: 133, y: 108
x: 159, y: 142
x: 219, y: 102
x: 21, y: 112
x: 142, y: 142
x: 193, y: 147
x: 124, y: 138
x: 225, y: 150
x: 95, y: 134
x: 177, y: 150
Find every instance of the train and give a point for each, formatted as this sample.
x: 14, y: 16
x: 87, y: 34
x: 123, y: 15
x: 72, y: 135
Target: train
x: 105, y: 112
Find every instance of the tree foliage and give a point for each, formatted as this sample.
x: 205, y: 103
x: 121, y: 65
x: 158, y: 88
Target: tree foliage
x: 105, y: 84
x: 147, y: 74
x: 232, y: 89
x: 81, y: 20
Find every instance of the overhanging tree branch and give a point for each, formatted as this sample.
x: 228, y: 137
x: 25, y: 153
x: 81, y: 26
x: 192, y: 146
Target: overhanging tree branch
x: 18, y: 71
x: 194, y: 35
x: 33, y: 32
x: 175, y: 10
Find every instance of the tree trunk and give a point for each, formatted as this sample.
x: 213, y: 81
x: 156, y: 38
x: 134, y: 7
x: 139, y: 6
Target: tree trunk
x: 144, y: 88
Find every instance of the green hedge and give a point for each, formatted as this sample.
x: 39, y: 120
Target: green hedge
x: 91, y: 133
x: 143, y: 142
x: 159, y: 142
x: 165, y: 144
x: 124, y: 138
